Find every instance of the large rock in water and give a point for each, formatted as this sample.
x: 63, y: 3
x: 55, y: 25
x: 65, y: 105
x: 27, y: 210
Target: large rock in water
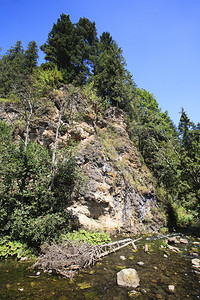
x: 128, y: 277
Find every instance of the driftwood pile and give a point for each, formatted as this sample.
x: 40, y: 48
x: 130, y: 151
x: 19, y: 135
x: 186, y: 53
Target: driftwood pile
x: 67, y: 259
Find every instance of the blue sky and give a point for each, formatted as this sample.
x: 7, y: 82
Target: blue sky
x: 160, y: 40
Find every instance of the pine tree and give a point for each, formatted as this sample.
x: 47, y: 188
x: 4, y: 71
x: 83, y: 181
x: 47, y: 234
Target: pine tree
x: 31, y: 56
x: 12, y: 69
x: 86, y: 49
x: 60, y: 45
x: 110, y: 75
x: 190, y: 158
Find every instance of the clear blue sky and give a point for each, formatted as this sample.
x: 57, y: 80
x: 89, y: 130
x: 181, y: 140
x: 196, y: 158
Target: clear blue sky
x: 160, y: 40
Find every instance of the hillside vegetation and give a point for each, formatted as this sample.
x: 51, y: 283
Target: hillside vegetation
x: 84, y: 79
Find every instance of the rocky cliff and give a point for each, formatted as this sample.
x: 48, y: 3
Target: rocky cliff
x: 119, y: 191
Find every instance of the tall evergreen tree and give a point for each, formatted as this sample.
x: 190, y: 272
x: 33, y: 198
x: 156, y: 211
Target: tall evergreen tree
x: 110, y: 75
x: 31, y: 56
x: 72, y: 48
x: 190, y: 158
x: 12, y: 70
x: 86, y: 49
x: 60, y: 45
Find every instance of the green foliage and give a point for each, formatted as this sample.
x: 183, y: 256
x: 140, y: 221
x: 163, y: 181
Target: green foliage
x: 45, y: 79
x: 72, y: 48
x: 37, y: 230
x: 31, y: 56
x: 89, y: 237
x: 190, y: 161
x: 183, y: 217
x: 16, y: 66
x: 30, y: 211
x: 9, y: 248
x: 164, y: 244
x: 67, y: 179
x: 110, y: 77
x: 173, y: 156
x: 97, y: 103
x: 154, y: 134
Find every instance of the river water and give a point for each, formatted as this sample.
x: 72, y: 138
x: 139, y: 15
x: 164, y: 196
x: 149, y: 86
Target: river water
x: 160, y: 268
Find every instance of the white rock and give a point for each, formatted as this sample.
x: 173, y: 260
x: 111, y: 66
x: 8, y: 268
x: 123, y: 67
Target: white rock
x: 183, y: 241
x: 174, y: 249
x: 122, y: 257
x: 171, y: 288
x: 140, y: 263
x: 128, y: 277
x: 196, y: 262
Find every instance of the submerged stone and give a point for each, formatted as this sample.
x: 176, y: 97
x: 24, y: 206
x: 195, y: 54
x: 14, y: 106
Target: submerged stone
x: 84, y: 285
x: 133, y: 294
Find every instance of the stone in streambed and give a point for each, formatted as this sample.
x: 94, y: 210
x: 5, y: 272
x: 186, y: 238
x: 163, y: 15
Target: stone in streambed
x: 146, y: 248
x: 128, y: 277
x: 196, y: 262
x: 171, y: 288
x: 122, y: 257
x: 184, y: 241
x: 173, y: 240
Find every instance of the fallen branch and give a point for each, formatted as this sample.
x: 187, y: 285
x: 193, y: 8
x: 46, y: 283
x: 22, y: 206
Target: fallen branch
x: 67, y: 259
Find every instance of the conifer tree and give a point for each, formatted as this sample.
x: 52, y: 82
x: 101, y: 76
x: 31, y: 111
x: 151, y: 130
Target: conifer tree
x: 31, y: 56
x: 59, y: 47
x: 190, y: 158
x: 72, y: 47
x: 109, y: 73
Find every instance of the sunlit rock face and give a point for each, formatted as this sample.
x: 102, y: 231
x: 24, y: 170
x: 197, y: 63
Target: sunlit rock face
x: 118, y: 192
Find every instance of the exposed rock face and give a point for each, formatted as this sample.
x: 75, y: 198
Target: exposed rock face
x: 119, y: 192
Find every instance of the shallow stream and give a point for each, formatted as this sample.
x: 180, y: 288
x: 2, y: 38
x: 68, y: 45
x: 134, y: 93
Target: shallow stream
x: 160, y: 268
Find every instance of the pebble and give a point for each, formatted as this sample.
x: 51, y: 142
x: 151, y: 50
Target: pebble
x: 165, y: 255
x: 122, y: 257
x: 24, y: 258
x: 194, y: 254
x: 140, y: 263
x: 143, y: 291
x: 196, y: 262
x: 171, y: 288
x: 146, y: 248
x: 38, y: 273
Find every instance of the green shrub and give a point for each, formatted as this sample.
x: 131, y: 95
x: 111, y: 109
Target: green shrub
x: 9, y: 248
x: 89, y: 237
x: 183, y: 217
